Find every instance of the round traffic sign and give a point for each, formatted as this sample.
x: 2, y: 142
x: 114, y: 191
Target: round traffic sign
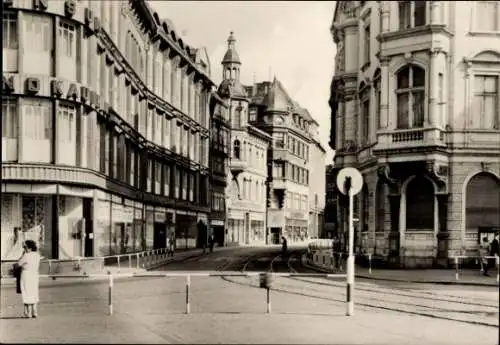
x: 356, y: 180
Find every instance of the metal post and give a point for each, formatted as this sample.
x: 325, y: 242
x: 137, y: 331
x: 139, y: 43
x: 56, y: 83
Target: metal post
x: 138, y: 261
x: 118, y: 259
x: 498, y: 268
x: 370, y: 264
x: 456, y: 268
x: 50, y: 266
x: 350, y: 259
x: 110, y: 294
x: 268, y: 293
x: 188, y: 284
x: 130, y: 261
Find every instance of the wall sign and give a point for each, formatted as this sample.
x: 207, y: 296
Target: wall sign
x: 8, y: 83
x: 32, y: 85
x: 41, y: 5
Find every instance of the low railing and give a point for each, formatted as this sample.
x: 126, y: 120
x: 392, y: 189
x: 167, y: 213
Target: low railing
x: 266, y: 280
x: 136, y: 260
x: 325, y: 258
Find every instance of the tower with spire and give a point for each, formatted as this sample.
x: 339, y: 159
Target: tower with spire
x: 230, y: 86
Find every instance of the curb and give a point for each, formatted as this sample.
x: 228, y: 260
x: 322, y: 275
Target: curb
x: 436, y: 282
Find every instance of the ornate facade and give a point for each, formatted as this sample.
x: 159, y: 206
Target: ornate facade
x: 246, y: 187
x: 295, y: 151
x: 415, y: 106
x: 105, y: 129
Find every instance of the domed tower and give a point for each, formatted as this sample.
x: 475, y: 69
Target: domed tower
x: 231, y: 62
x: 231, y: 88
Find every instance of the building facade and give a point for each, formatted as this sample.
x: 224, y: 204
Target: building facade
x: 105, y: 129
x: 415, y: 107
x: 246, y: 190
x: 317, y: 176
x: 219, y: 158
x: 289, y: 159
x: 330, y: 227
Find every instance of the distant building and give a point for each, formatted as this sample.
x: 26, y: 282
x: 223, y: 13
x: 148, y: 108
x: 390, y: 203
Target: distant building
x: 246, y: 186
x: 330, y: 203
x: 416, y: 108
x: 219, y: 158
x: 317, y: 182
x: 294, y: 139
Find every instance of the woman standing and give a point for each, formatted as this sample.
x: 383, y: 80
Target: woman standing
x: 30, y: 264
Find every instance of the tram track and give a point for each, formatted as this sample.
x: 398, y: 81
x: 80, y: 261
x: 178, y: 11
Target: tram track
x: 421, y: 303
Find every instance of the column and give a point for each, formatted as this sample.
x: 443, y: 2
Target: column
x: 385, y: 14
x: 84, y: 42
x: 149, y: 66
x: 384, y: 94
x: 351, y: 45
x: 434, y: 88
x: 435, y: 12
x: 443, y: 234
x: 394, y: 236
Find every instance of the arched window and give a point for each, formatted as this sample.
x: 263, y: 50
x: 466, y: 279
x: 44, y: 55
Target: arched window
x: 483, y: 202
x: 420, y: 204
x: 410, y: 97
x: 236, y: 149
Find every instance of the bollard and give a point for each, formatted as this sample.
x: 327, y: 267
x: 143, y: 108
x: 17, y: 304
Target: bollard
x: 118, y: 259
x: 137, y: 261
x: 50, y: 266
x: 498, y: 268
x: 188, y: 284
x: 369, y: 264
x: 456, y: 268
x: 268, y: 296
x: 110, y: 294
x: 130, y: 261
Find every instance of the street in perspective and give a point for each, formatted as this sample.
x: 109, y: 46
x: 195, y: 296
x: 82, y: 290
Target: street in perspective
x: 269, y: 172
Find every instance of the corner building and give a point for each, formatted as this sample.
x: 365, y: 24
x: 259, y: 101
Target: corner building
x: 247, y: 176
x: 415, y: 107
x: 105, y: 129
x: 289, y: 160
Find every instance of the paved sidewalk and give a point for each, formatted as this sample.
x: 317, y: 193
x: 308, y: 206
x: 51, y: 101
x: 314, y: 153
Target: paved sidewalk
x: 152, y: 311
x: 429, y: 276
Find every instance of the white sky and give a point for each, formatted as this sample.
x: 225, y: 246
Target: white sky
x: 289, y: 39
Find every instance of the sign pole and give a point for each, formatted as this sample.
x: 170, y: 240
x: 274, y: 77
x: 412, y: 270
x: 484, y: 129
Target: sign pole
x: 350, y: 258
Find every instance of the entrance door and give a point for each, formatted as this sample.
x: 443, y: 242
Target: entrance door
x: 275, y: 233
x: 160, y: 236
x: 89, y: 235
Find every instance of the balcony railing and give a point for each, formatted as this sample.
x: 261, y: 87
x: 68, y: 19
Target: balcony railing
x: 415, y: 137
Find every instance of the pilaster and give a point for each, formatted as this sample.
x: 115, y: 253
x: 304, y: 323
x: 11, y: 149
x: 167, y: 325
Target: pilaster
x: 433, y: 112
x: 384, y: 93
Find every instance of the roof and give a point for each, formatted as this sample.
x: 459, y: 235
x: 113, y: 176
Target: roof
x: 276, y: 98
x: 231, y: 55
x: 231, y: 88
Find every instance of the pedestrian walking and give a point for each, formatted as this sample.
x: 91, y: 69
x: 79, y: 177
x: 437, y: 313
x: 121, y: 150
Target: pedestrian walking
x: 171, y: 247
x: 211, y: 242
x: 29, y: 264
x: 284, y: 247
x: 337, y: 252
x: 494, y: 251
x: 484, y: 250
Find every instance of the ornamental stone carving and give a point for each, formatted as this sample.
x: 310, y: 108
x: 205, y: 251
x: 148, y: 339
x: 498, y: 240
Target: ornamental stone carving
x: 439, y: 174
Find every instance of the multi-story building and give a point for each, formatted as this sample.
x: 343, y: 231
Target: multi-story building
x: 330, y: 203
x: 289, y: 158
x: 415, y: 106
x: 317, y: 178
x: 219, y: 158
x: 246, y: 190
x: 105, y: 129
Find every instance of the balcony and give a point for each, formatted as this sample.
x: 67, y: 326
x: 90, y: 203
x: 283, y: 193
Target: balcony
x: 415, y: 139
x: 237, y: 165
x: 279, y: 183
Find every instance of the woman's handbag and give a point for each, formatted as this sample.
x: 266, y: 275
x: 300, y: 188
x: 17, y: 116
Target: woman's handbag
x: 16, y: 271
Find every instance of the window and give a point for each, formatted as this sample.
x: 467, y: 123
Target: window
x: 367, y: 44
x: 411, y: 14
x: 158, y: 169
x: 236, y: 149
x: 10, y: 40
x: 365, y: 115
x: 410, y: 97
x: 38, y: 32
x: 149, y: 177
x: 237, y: 117
x: 252, y: 115
x: 486, y: 102
x: 184, y: 185
x: 378, y: 98
x: 278, y: 171
x: 133, y: 158
x: 166, y: 180
x: 279, y: 140
x: 177, y: 180
x: 488, y: 16
x: 10, y: 119
x: 66, y: 115
x: 67, y: 37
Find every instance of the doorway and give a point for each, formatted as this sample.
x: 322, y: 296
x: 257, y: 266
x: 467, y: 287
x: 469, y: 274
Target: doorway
x: 160, y: 236
x: 89, y: 234
x: 275, y: 235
